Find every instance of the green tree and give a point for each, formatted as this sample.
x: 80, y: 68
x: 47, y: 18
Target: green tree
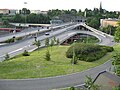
x: 38, y: 44
x: 6, y: 22
x: 47, y: 56
x: 117, y: 33
x: 24, y: 11
x: 18, y: 18
x: 54, y: 39
x: 89, y: 84
x: 93, y: 22
x: 116, y: 62
x: 58, y: 41
x: 52, y: 43
x: 47, y: 42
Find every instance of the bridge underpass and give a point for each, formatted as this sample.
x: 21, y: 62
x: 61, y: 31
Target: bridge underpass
x: 80, y: 37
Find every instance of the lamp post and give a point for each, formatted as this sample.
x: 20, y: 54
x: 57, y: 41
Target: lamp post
x: 25, y: 13
x: 73, y: 56
x: 87, y: 33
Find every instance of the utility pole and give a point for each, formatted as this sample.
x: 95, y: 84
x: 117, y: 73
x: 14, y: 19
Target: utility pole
x: 73, y: 56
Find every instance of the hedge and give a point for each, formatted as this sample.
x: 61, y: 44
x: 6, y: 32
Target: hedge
x: 88, y: 52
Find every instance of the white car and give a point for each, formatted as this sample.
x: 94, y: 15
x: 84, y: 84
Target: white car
x: 47, y: 34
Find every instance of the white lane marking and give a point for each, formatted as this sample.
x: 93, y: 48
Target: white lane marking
x: 15, y: 51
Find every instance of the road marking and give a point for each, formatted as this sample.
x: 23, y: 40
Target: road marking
x: 15, y: 51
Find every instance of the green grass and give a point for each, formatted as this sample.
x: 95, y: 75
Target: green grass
x: 35, y: 66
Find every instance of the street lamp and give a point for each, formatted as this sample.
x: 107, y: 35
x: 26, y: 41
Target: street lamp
x: 25, y: 13
x: 73, y: 59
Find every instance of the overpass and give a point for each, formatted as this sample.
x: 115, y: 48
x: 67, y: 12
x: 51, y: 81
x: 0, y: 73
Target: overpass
x: 19, y: 47
x: 68, y: 26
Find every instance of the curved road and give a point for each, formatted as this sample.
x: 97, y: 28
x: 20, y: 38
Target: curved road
x: 58, y: 81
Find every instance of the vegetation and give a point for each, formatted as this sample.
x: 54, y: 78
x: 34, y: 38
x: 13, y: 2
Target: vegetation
x: 52, y: 43
x: 37, y: 43
x: 25, y: 53
x: 58, y: 41
x: 47, y: 42
x: 88, y: 52
x: 116, y: 59
x: 35, y: 65
x: 89, y: 39
x: 89, y: 84
x: 117, y: 33
x: 47, y: 56
x: 109, y: 29
x: 93, y: 16
x: 7, y: 57
x: 11, y: 40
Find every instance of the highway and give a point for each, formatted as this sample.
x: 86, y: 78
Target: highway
x: 58, y: 81
x: 31, y: 31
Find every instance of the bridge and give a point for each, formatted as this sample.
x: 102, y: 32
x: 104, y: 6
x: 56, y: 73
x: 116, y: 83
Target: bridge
x: 63, y: 33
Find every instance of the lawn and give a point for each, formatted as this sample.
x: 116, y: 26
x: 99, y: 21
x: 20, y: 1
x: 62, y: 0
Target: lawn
x: 35, y: 65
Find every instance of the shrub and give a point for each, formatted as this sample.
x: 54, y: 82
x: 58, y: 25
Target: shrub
x: 7, y: 57
x: 108, y: 48
x: 10, y: 40
x: 25, y: 53
x: 88, y: 52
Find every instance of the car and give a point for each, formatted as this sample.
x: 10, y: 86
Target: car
x: 47, y: 34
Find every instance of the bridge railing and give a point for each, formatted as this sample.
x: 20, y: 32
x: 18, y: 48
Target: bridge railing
x: 96, y: 31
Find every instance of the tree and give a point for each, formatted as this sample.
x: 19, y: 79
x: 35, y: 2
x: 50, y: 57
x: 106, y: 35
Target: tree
x: 18, y: 18
x: 47, y: 56
x: 54, y: 39
x: 93, y: 22
x: 24, y: 11
x: 89, y: 84
x: 58, y: 41
x: 117, y: 33
x: 6, y: 22
x: 38, y: 44
x: 52, y: 43
x: 47, y: 42
x: 116, y: 62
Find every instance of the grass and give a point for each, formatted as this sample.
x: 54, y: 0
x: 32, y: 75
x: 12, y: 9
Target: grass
x: 35, y: 65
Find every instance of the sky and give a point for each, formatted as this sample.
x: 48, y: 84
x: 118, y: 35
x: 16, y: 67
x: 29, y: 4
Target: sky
x: 110, y: 5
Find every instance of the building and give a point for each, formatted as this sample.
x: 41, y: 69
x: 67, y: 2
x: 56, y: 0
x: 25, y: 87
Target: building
x: 38, y: 12
x: 4, y: 11
x: 35, y: 11
x: 44, y: 12
x: 106, y: 22
x: 107, y: 81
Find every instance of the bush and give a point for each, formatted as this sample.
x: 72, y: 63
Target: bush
x: 10, y: 40
x: 108, y: 48
x: 88, y: 52
x: 7, y: 57
x: 25, y: 53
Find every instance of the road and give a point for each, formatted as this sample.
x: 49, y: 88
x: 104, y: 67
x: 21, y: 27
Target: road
x: 58, y: 81
x: 52, y: 82
x: 31, y: 31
